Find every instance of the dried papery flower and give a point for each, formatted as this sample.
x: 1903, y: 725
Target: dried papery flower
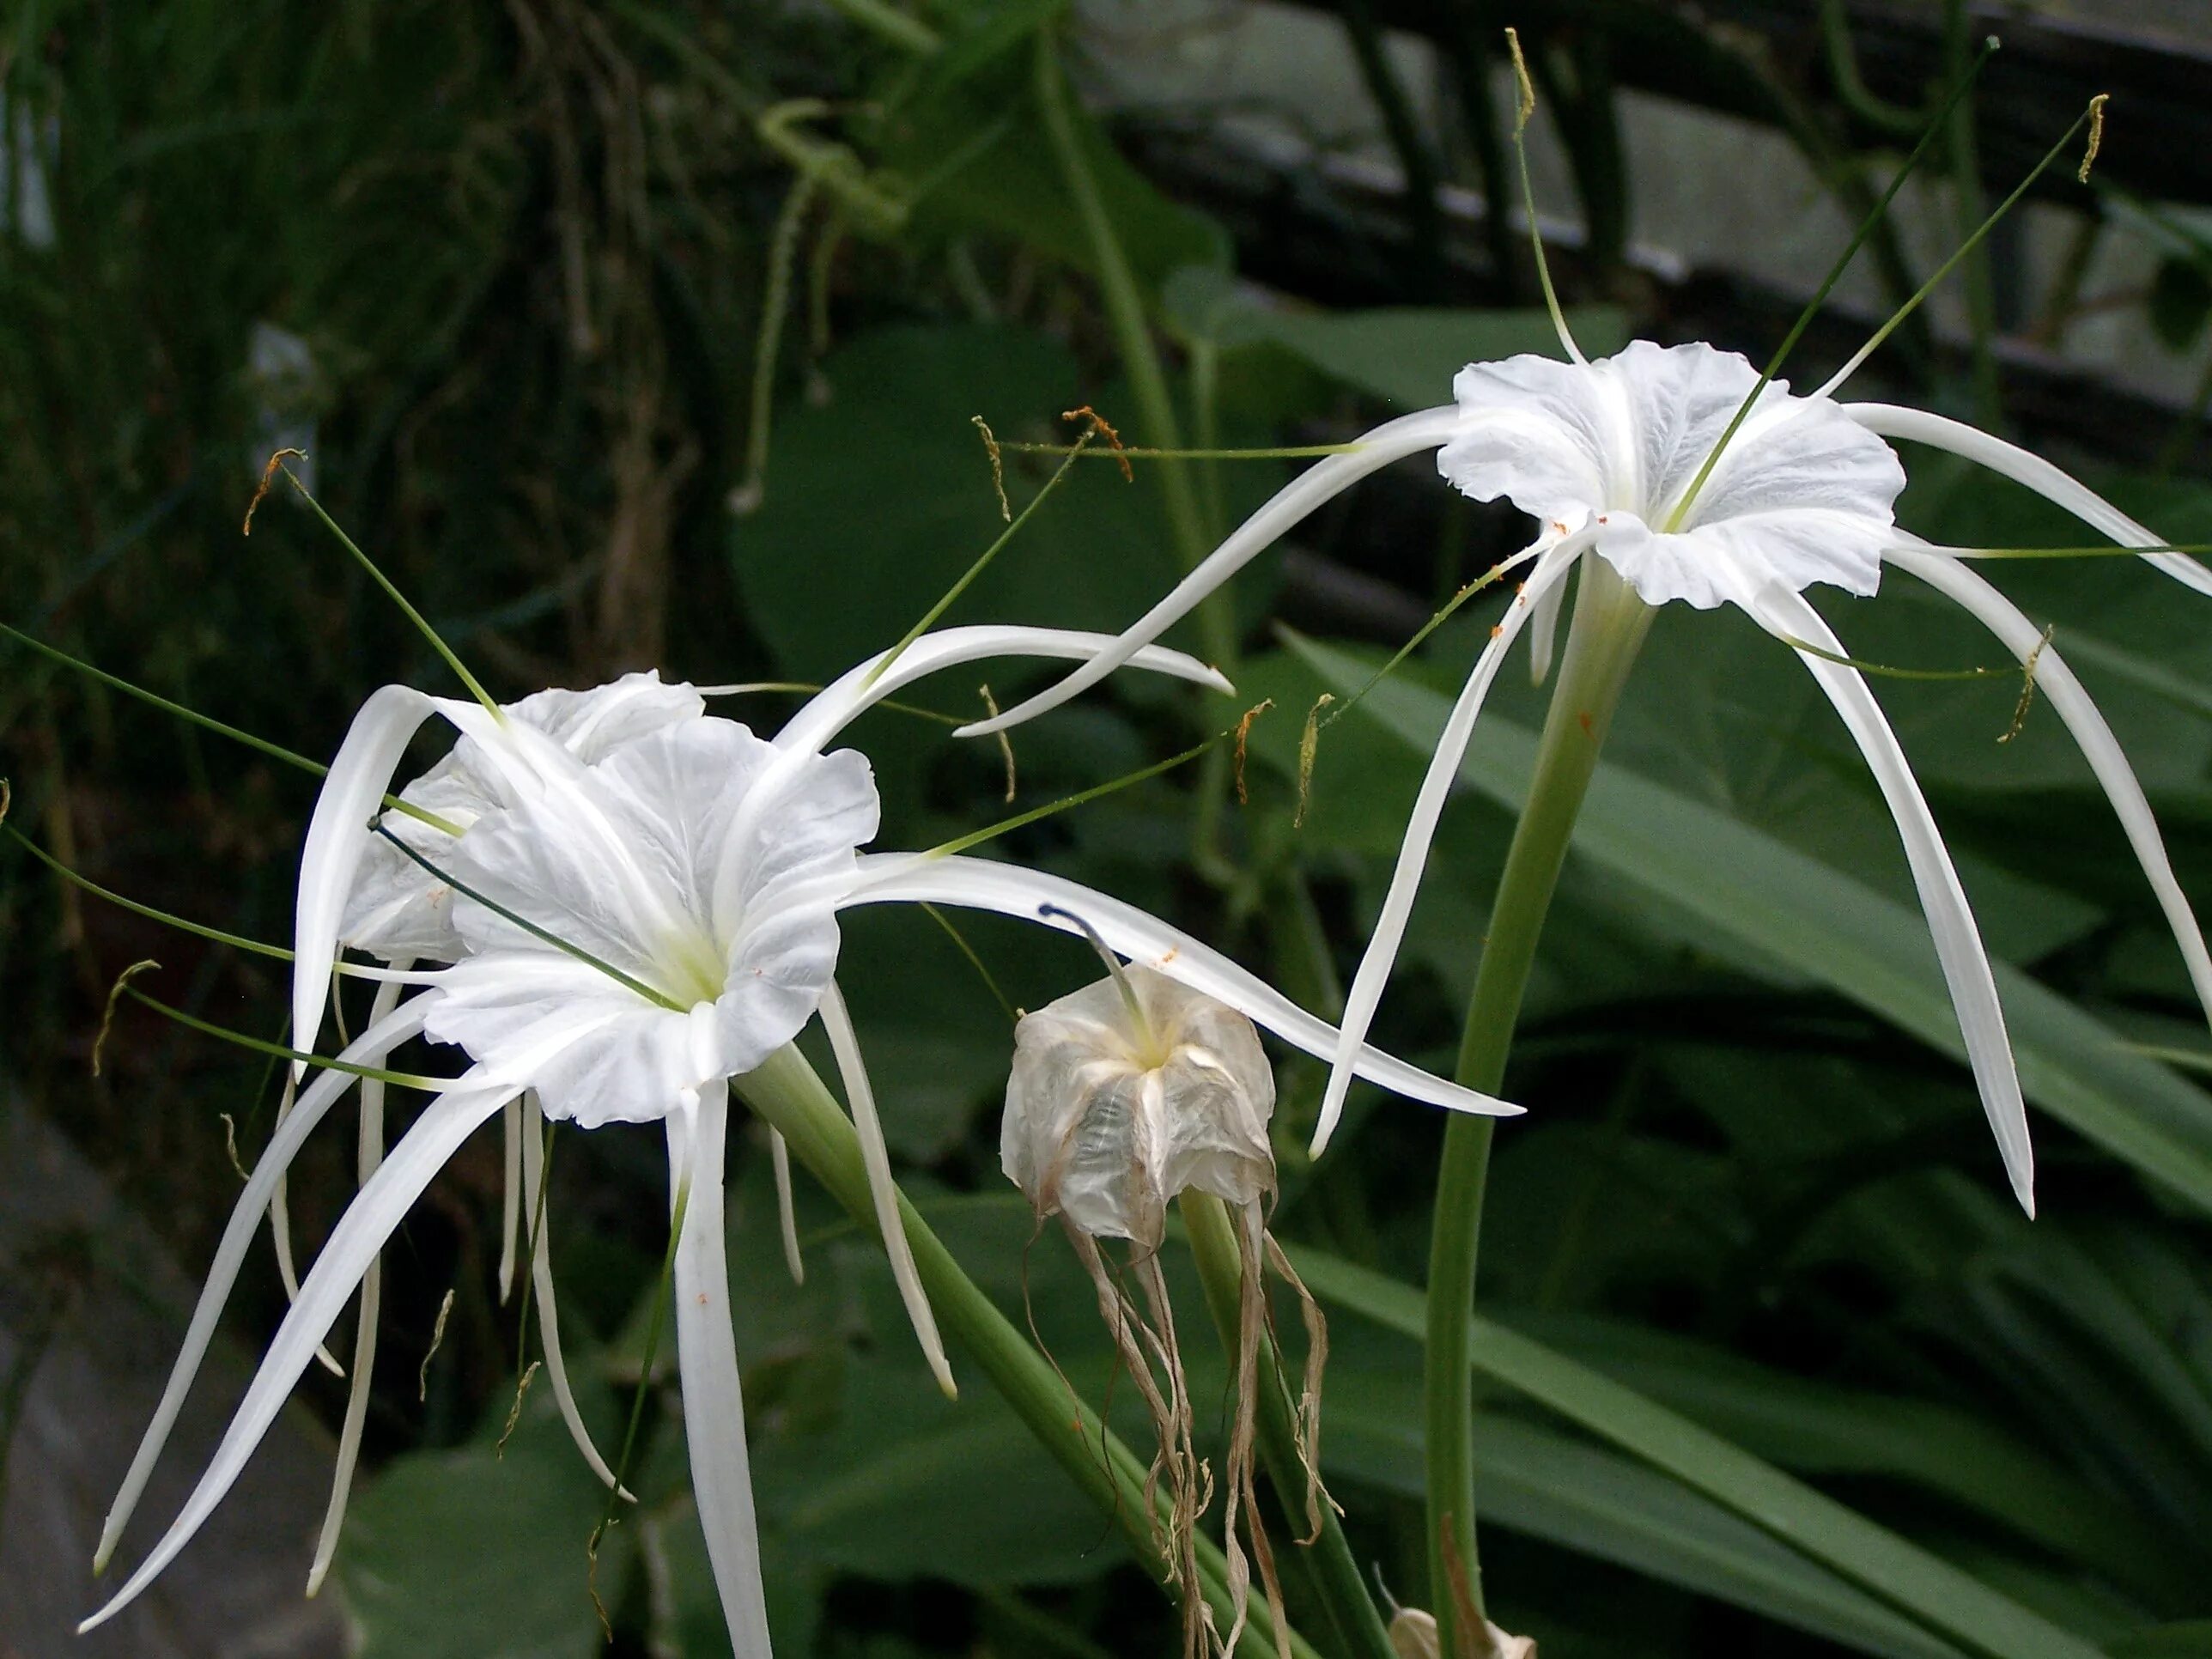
x: 1125, y: 1095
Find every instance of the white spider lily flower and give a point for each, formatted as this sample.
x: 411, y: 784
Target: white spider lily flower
x: 1625, y: 457
x: 1129, y: 1092
x: 638, y: 932
x: 397, y: 908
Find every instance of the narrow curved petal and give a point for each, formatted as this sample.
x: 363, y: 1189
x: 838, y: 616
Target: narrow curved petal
x: 510, y: 1194
x: 338, y: 833
x: 2054, y: 485
x: 981, y: 884
x: 876, y: 1158
x: 361, y: 1232
x: 828, y: 713
x: 1543, y: 631
x: 548, y: 1313
x: 370, y: 1048
x: 786, y: 1215
x: 1958, y: 941
x: 280, y: 1227
x: 706, y: 1362
x: 1367, y: 985
x: 368, y: 1154
x: 1392, y: 441
x: 2072, y: 703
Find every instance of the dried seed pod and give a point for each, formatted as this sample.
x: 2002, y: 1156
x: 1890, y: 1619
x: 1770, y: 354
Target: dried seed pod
x: 1132, y: 1091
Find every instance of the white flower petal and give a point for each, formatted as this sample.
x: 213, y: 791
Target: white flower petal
x: 1374, y: 974
x: 368, y: 1155
x: 397, y: 907
x: 699, y: 862
x: 836, y: 706
x: 1918, y: 426
x: 1392, y: 440
x: 875, y: 1156
x: 786, y: 1214
x: 595, y: 1051
x: 548, y: 1312
x: 337, y: 832
x: 370, y: 1048
x: 1801, y: 493
x: 510, y: 1194
x: 2072, y: 703
x: 1552, y: 438
x: 367, y: 1222
x: 1543, y: 631
x: 1958, y: 942
x: 707, y: 1360
x: 981, y: 885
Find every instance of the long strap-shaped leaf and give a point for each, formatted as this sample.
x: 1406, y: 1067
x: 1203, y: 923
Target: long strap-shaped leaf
x: 1794, y: 909
x: 1928, y: 1590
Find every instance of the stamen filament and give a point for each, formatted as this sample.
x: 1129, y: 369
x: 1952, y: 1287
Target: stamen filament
x: 1889, y: 672
x: 990, y: 832
x: 1935, y: 126
x: 1525, y: 107
x: 207, y: 722
x: 1140, y: 452
x: 1952, y: 264
x: 262, y: 1046
x: 391, y: 591
x: 929, y: 618
x: 1136, y: 1009
x: 531, y: 928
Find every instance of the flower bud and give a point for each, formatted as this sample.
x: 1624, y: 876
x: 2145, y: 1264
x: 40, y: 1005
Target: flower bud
x: 1130, y: 1091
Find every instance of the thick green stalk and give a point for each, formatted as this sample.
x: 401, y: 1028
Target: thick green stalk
x: 788, y: 1096
x: 1329, y: 1565
x: 1608, y: 627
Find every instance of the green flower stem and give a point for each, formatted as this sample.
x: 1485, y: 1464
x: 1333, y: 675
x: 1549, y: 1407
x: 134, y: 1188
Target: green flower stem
x: 1132, y: 342
x: 789, y: 1097
x: 1328, y: 1562
x: 1609, y: 628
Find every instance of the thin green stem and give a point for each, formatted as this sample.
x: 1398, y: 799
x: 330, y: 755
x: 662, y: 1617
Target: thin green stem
x: 793, y: 1101
x: 1330, y: 1566
x: 982, y: 563
x: 392, y: 592
x: 1609, y: 625
x: 1132, y: 339
x: 1868, y: 225
x: 430, y: 1085
x: 1967, y: 205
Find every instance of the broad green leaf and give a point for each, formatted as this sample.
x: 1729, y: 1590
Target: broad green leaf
x: 979, y: 154
x: 880, y: 497
x: 1830, y: 927
x: 1817, y: 1429
x: 912, y: 1485
x: 1536, y: 1480
x: 1406, y: 356
x: 1930, y: 1591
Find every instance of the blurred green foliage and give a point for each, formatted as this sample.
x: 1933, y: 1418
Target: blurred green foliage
x: 502, y: 271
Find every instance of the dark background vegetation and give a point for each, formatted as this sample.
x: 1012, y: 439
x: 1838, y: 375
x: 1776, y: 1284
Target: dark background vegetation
x: 503, y: 271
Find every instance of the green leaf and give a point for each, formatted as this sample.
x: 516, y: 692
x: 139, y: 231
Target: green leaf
x: 1832, y: 927
x: 475, y: 1554
x: 1818, y: 1429
x: 1933, y: 1593
x: 1406, y: 354
x: 878, y: 497
x: 1558, y: 1488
